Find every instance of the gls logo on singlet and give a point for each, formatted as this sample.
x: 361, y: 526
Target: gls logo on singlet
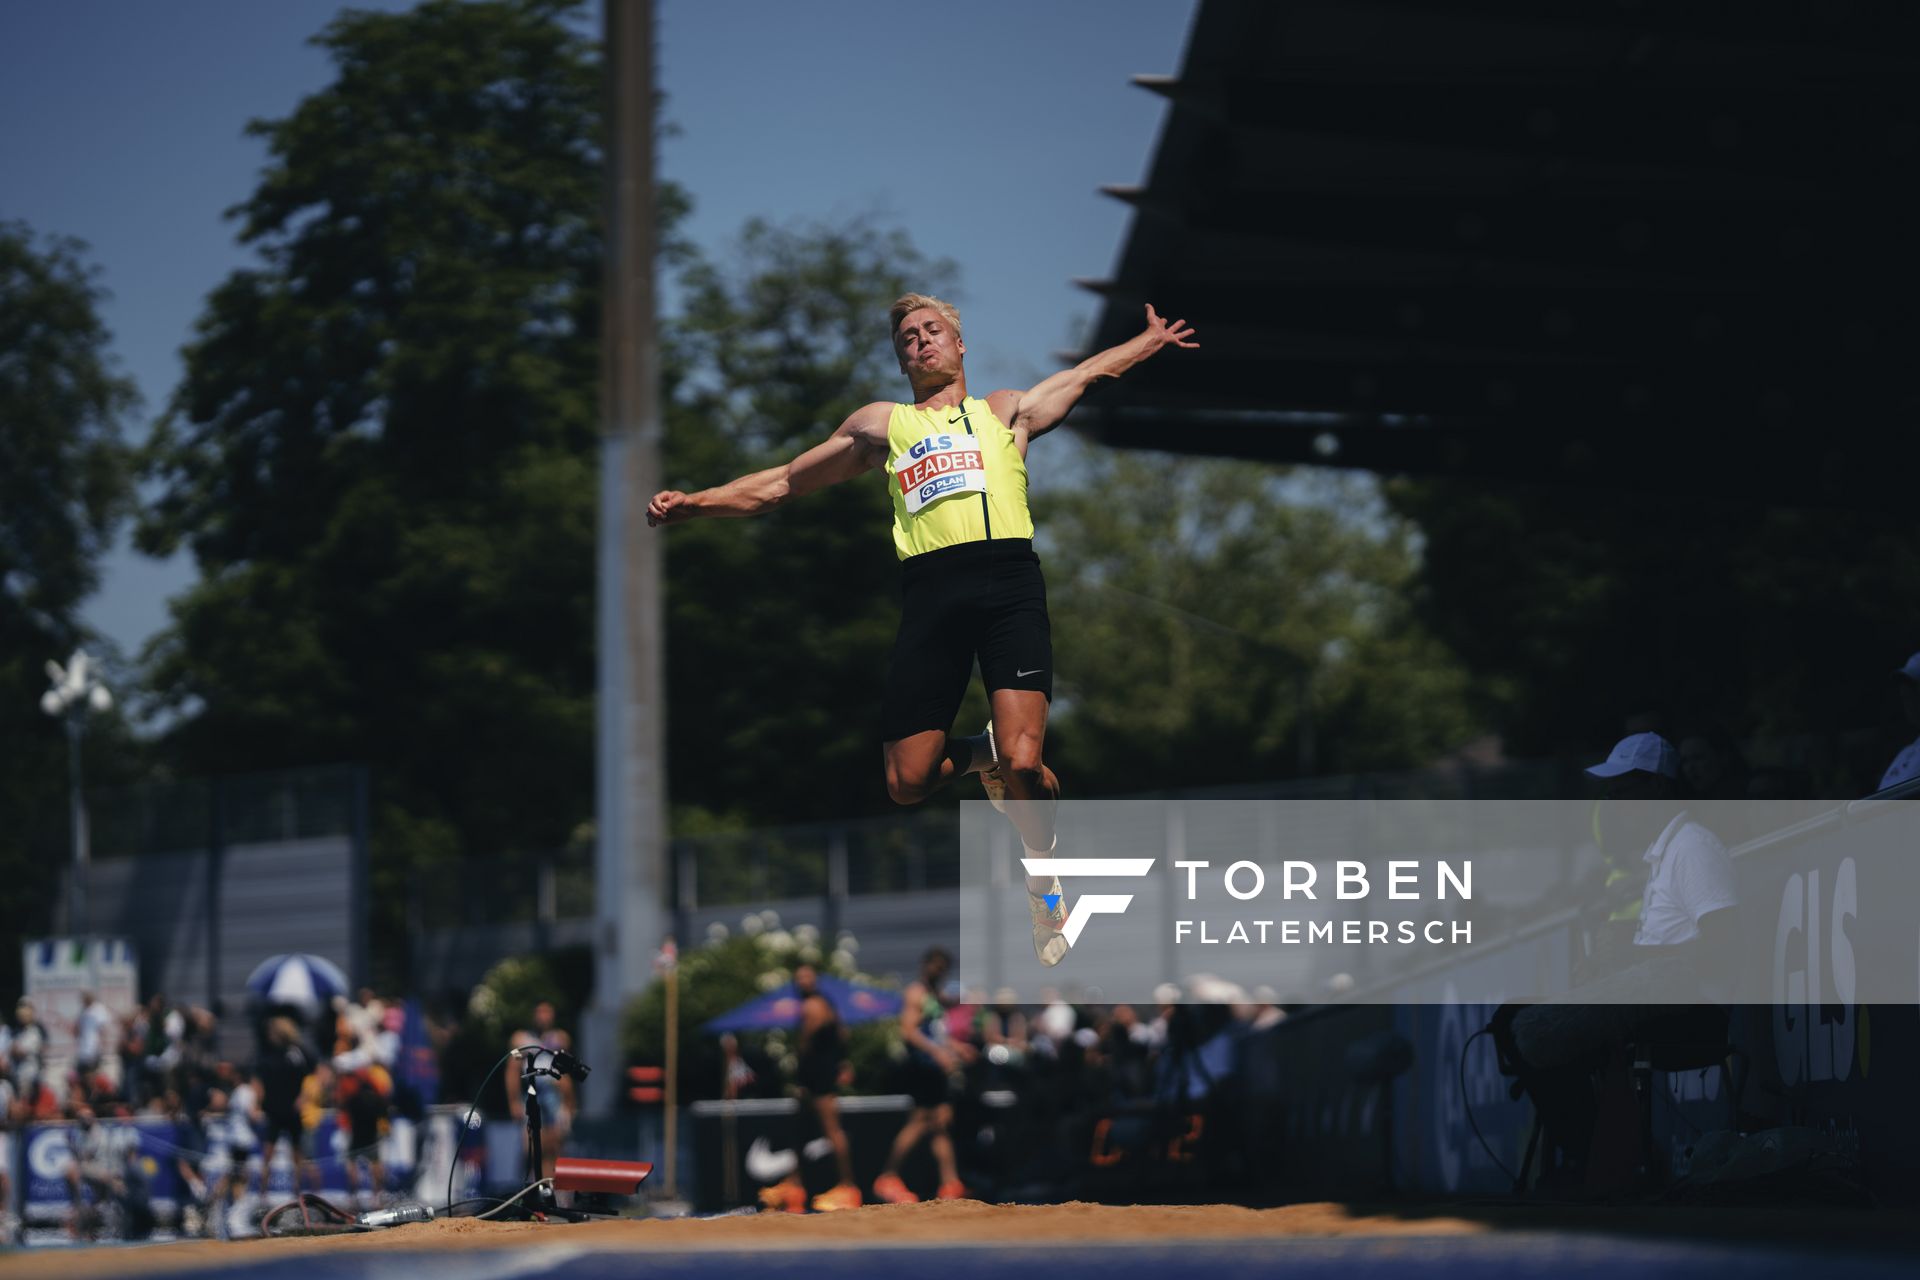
x: 938, y: 465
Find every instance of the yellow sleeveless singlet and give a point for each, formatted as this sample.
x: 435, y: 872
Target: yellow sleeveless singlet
x: 955, y: 476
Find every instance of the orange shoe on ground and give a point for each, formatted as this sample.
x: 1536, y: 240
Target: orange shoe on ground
x: 787, y: 1195
x: 844, y: 1196
x: 889, y: 1188
x: 955, y: 1190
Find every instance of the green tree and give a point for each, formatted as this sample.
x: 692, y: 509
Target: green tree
x: 729, y: 971
x: 778, y: 628
x: 1223, y: 622
x: 1575, y: 609
x: 64, y: 487
x: 383, y: 452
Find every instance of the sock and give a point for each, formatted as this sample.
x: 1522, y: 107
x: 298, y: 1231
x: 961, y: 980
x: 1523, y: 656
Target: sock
x: 970, y: 755
x: 1041, y: 853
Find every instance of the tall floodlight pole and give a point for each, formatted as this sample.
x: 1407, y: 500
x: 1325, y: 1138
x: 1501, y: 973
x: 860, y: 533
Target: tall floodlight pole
x: 76, y: 691
x: 630, y: 764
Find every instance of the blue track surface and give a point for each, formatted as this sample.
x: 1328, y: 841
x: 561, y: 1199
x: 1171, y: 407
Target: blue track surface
x: 1490, y: 1257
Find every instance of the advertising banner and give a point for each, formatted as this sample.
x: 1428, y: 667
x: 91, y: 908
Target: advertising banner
x: 156, y: 1161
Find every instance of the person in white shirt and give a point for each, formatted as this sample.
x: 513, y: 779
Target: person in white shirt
x: 1689, y: 875
x: 27, y: 1046
x: 92, y: 1031
x: 1906, y: 765
x: 243, y: 1124
x: 1686, y: 924
x: 231, y: 1147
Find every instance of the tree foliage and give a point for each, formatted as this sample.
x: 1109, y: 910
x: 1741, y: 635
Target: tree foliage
x: 727, y: 972
x: 1222, y: 622
x: 64, y: 487
x: 1575, y: 610
x: 382, y: 455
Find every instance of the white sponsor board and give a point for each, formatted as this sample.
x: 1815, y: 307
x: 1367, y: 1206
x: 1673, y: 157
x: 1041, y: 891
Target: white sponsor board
x: 60, y: 970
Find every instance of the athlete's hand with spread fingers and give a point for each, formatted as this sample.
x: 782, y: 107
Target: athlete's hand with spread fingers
x: 669, y: 506
x: 1163, y: 333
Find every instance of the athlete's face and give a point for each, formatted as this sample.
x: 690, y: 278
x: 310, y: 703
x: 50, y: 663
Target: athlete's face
x: 927, y: 344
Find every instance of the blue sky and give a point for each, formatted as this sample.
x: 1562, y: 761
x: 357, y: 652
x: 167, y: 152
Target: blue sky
x: 985, y: 128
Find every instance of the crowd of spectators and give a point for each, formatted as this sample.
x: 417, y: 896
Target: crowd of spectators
x: 315, y: 1086
x: 1103, y: 1055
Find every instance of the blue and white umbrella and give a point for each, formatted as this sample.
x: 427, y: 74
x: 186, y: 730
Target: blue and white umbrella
x: 300, y: 981
x: 855, y: 1002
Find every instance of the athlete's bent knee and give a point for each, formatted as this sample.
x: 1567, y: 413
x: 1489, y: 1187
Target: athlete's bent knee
x: 903, y: 788
x: 1022, y: 756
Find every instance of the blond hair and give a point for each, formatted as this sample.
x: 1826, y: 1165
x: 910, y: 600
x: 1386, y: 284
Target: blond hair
x: 908, y: 303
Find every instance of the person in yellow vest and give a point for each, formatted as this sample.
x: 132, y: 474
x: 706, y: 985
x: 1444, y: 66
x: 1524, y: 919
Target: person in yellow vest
x: 972, y: 590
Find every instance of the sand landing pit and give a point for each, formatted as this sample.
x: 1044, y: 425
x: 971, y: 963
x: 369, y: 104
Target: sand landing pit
x: 958, y: 1222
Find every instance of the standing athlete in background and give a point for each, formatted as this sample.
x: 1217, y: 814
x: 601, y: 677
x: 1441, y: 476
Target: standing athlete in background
x: 927, y: 1076
x: 819, y: 1070
x: 957, y: 474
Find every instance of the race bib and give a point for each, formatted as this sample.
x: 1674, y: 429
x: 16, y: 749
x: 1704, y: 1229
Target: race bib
x: 940, y: 465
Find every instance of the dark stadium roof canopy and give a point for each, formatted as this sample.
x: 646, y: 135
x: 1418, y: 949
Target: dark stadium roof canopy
x: 1532, y: 238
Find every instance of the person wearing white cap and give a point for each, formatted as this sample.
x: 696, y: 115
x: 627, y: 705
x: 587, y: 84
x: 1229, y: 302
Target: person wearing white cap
x: 1906, y: 765
x: 1689, y: 875
x: 1557, y: 1048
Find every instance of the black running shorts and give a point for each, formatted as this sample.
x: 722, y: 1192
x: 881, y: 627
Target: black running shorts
x: 921, y: 1079
x: 281, y: 1124
x: 818, y: 1073
x: 983, y: 600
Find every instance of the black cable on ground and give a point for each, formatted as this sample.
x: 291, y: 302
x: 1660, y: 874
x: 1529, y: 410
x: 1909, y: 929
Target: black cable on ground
x: 1466, y: 1103
x: 453, y: 1162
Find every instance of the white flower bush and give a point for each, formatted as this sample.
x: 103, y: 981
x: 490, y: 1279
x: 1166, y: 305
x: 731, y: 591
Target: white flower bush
x: 731, y: 966
x: 483, y: 1003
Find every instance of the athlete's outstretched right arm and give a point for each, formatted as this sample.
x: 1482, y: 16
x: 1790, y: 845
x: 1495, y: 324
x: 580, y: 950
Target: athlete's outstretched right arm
x: 858, y: 446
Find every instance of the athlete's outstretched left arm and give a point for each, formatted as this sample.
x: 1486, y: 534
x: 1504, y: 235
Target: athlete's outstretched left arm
x: 1040, y: 409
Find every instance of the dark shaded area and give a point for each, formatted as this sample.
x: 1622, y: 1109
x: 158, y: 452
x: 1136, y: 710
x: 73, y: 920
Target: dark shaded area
x: 1528, y: 234
x: 1619, y: 288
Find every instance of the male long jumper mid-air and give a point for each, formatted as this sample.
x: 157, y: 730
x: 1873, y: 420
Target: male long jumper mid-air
x: 971, y: 584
